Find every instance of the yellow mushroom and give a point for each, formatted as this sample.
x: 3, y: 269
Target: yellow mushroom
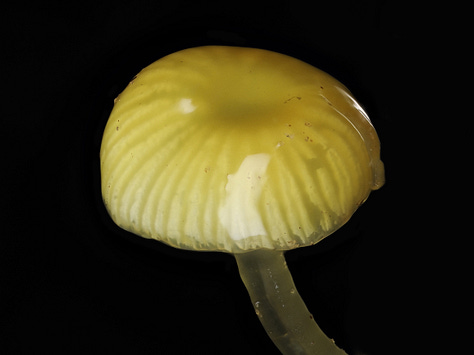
x: 244, y: 151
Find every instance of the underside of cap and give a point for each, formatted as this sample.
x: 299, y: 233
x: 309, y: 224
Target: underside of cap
x: 235, y: 149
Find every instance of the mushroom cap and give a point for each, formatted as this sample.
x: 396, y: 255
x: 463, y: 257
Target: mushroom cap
x: 233, y: 149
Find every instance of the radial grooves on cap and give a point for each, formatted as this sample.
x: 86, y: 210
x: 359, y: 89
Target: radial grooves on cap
x: 165, y: 175
x: 305, y: 192
x: 138, y: 109
x: 288, y: 198
x: 320, y: 183
x: 153, y: 163
x: 193, y: 190
x: 166, y: 193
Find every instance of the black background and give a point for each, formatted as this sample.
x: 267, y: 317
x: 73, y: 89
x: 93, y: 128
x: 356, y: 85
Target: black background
x: 74, y: 283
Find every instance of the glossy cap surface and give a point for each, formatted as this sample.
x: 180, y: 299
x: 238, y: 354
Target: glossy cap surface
x: 233, y: 149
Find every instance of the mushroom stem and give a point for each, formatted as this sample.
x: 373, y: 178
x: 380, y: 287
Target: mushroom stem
x: 278, y: 305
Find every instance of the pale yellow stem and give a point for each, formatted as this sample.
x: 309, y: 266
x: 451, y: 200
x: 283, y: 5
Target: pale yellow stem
x: 279, y: 307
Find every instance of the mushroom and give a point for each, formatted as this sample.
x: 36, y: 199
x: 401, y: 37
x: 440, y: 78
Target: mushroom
x: 244, y: 151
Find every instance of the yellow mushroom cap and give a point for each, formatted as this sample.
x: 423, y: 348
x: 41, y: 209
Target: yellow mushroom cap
x: 234, y: 149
